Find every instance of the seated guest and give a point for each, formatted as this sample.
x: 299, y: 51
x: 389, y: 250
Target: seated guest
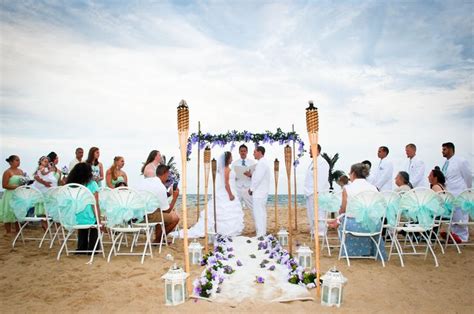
x: 437, y: 180
x: 157, y: 187
x: 343, y: 181
x: 402, y: 181
x: 115, y: 174
x: 357, y: 246
x: 82, y: 174
x: 151, y: 164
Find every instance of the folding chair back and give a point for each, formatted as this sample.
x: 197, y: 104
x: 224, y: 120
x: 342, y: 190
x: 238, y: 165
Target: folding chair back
x: 421, y: 205
x: 24, y: 197
x: 72, y: 199
x: 392, y: 199
x: 369, y: 209
x: 465, y: 201
x: 122, y: 205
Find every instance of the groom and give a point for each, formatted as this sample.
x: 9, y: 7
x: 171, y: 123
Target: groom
x: 259, y: 191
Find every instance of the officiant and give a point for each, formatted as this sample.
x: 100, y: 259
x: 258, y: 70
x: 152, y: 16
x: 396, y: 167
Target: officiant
x: 242, y: 183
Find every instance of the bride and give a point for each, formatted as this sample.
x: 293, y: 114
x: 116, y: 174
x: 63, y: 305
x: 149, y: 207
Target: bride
x: 230, y: 217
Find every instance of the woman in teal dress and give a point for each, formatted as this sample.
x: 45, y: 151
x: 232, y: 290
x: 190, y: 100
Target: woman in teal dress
x: 115, y: 174
x: 97, y: 168
x: 12, y: 178
x: 82, y: 174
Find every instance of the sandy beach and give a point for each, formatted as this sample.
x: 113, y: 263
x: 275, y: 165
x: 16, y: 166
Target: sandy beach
x: 33, y: 281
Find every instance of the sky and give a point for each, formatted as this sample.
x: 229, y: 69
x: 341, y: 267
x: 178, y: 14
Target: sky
x: 111, y: 74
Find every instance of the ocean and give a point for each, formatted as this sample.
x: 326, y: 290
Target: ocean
x: 282, y: 200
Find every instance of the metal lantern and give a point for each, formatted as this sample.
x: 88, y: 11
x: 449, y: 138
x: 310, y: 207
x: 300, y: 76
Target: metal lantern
x: 195, y: 252
x: 175, y: 286
x: 333, y: 288
x: 211, y: 235
x: 283, y: 237
x: 305, y: 256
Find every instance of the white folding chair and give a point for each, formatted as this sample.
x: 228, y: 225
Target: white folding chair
x: 421, y: 206
x: 124, y: 205
x: 24, y: 198
x: 72, y: 199
x: 151, y: 204
x: 368, y: 209
x: 331, y: 203
x: 464, y: 201
x: 447, y: 201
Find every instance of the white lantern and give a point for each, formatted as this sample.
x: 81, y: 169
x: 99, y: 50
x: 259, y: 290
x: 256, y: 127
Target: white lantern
x: 175, y: 286
x: 283, y: 237
x: 333, y: 286
x: 211, y: 237
x: 305, y: 256
x: 195, y: 252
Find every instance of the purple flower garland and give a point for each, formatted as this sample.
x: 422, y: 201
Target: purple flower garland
x: 233, y: 137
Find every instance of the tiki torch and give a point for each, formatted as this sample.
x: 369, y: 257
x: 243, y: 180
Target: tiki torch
x: 312, y: 124
x: 290, y: 220
x: 207, y: 165
x: 276, y: 168
x: 214, y: 170
x: 183, y: 132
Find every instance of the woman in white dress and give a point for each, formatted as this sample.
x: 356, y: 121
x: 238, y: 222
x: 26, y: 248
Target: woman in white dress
x: 229, y: 214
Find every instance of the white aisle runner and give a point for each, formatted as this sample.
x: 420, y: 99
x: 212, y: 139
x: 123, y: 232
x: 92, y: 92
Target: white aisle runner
x: 241, y: 284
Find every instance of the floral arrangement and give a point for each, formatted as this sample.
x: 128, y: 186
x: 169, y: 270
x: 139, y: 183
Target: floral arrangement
x: 215, y: 271
x: 174, y: 176
x: 25, y: 179
x: 296, y: 274
x: 234, y: 137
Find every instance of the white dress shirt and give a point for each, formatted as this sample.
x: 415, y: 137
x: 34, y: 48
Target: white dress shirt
x: 155, y: 186
x: 383, y: 175
x: 323, y: 173
x: 458, y: 175
x: 73, y: 163
x: 245, y: 182
x: 261, y: 179
x: 416, y: 169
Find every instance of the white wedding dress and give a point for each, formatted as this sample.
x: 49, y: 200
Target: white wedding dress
x: 230, y: 216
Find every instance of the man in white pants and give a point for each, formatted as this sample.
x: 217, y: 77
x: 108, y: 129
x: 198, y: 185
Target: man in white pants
x: 323, y: 184
x: 243, y: 184
x: 458, y: 178
x: 259, y: 187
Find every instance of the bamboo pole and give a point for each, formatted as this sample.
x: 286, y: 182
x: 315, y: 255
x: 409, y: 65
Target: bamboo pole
x: 207, y: 165
x: 214, y: 169
x: 290, y: 219
x: 312, y: 124
x: 294, y: 178
x: 276, y: 168
x: 198, y: 169
x: 183, y: 132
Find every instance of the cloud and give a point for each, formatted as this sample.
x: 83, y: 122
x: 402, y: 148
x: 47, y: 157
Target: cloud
x: 111, y: 75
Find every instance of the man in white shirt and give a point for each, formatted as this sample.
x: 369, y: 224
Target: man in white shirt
x: 243, y: 184
x: 382, y: 176
x: 78, y: 159
x: 259, y: 187
x: 415, y: 167
x: 458, y: 178
x: 157, y: 187
x: 323, y: 185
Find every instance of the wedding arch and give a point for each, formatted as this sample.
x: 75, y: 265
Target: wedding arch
x: 234, y: 137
